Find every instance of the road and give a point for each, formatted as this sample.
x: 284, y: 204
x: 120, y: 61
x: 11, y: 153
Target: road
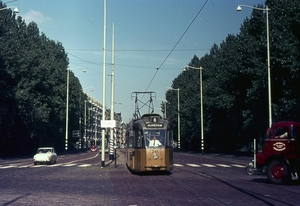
x: 196, y: 180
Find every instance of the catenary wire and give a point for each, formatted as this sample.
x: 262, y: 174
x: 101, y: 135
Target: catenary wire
x: 176, y: 44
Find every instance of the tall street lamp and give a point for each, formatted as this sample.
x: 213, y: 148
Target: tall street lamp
x: 103, y: 89
x: 178, y: 116
x: 112, y: 110
x: 67, y: 105
x: 201, y: 103
x: 84, y: 136
x: 15, y: 11
x: 239, y: 8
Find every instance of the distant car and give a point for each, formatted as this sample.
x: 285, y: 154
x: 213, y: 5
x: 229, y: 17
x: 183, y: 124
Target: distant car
x: 45, y: 155
x: 93, y: 148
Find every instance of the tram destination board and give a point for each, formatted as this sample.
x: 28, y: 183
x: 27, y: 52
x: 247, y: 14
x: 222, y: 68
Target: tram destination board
x: 154, y: 125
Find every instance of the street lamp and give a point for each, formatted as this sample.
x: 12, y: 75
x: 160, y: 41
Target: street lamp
x: 84, y: 136
x: 15, y: 11
x: 178, y: 116
x: 67, y: 105
x: 201, y: 103
x: 239, y: 8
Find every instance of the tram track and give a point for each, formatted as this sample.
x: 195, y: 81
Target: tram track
x: 255, y: 194
x: 190, y: 193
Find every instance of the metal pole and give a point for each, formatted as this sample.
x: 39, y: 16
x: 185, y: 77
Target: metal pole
x: 67, y: 112
x: 178, y: 120
x: 269, y: 71
x: 165, y: 104
x: 268, y: 56
x: 112, y: 111
x: 85, y: 138
x: 104, y: 84
x: 201, y: 102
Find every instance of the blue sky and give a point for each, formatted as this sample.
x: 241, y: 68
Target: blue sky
x: 145, y: 32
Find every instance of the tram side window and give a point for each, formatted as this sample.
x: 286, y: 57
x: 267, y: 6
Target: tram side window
x: 129, y: 141
x: 138, y: 139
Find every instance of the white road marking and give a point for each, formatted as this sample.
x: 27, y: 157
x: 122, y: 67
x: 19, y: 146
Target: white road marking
x: 85, y: 165
x: 208, y: 165
x: 240, y: 166
x: 5, y: 167
x: 69, y: 165
x: 193, y: 165
x: 222, y: 165
x: 178, y: 165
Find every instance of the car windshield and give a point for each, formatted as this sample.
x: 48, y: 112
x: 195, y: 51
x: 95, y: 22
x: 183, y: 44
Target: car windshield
x: 43, y: 151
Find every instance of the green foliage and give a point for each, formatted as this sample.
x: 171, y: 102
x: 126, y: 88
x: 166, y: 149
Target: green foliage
x: 33, y: 77
x: 235, y: 83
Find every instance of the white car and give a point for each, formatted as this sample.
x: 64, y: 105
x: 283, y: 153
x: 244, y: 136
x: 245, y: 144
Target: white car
x: 45, y: 155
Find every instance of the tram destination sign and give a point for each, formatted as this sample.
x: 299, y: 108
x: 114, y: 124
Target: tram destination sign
x: 154, y: 125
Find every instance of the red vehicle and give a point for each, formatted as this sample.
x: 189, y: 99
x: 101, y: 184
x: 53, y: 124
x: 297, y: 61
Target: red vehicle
x: 280, y: 156
x: 93, y: 148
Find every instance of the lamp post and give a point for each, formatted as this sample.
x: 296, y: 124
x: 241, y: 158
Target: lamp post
x: 67, y: 106
x: 103, y: 89
x: 15, y: 11
x: 112, y: 110
x: 201, y: 104
x: 178, y: 116
x: 84, y: 136
x: 239, y: 8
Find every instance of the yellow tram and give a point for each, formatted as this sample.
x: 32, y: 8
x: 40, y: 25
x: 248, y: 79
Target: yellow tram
x: 149, y: 144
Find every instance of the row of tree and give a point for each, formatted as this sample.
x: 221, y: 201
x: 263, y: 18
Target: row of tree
x: 33, y: 80
x: 235, y: 82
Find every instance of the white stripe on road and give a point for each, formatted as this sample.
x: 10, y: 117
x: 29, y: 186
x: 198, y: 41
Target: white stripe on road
x: 69, y: 165
x: 222, y: 165
x: 193, y: 165
x: 178, y: 165
x: 240, y: 166
x: 208, y: 165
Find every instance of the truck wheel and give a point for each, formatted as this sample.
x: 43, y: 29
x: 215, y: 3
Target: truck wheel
x: 277, y: 172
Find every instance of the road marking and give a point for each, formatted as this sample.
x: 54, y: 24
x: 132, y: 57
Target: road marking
x: 193, y: 165
x: 5, y: 167
x: 240, y: 166
x: 38, y: 165
x: 85, y: 165
x: 24, y: 166
x: 55, y: 165
x: 222, y: 165
x: 208, y: 165
x: 69, y: 165
x: 178, y: 165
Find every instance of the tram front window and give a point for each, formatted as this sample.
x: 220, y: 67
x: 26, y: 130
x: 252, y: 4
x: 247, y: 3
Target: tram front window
x: 155, y: 138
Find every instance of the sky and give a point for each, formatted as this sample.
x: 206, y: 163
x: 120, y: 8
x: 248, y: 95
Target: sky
x: 148, y: 34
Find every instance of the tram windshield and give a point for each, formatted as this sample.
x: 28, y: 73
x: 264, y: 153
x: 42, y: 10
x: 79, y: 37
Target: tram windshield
x: 156, y: 138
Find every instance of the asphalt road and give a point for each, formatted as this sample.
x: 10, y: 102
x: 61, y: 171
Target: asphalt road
x: 196, y: 180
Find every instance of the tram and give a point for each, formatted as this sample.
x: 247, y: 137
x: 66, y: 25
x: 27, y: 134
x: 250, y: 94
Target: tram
x: 149, y: 144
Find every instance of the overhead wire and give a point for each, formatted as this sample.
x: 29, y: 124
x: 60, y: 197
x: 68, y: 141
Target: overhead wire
x: 176, y: 44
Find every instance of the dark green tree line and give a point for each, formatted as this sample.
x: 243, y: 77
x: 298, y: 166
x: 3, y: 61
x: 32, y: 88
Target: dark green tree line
x: 33, y: 88
x: 235, y: 83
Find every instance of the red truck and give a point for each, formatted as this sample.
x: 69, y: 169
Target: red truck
x: 280, y: 156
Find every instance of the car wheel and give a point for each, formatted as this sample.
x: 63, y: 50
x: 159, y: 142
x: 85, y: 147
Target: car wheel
x: 277, y: 172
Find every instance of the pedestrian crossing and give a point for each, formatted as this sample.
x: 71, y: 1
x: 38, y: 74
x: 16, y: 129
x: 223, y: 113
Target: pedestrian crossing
x: 70, y: 164
x: 44, y: 165
x: 210, y: 165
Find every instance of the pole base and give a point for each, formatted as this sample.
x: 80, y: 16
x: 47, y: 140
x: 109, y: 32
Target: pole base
x: 111, y: 157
